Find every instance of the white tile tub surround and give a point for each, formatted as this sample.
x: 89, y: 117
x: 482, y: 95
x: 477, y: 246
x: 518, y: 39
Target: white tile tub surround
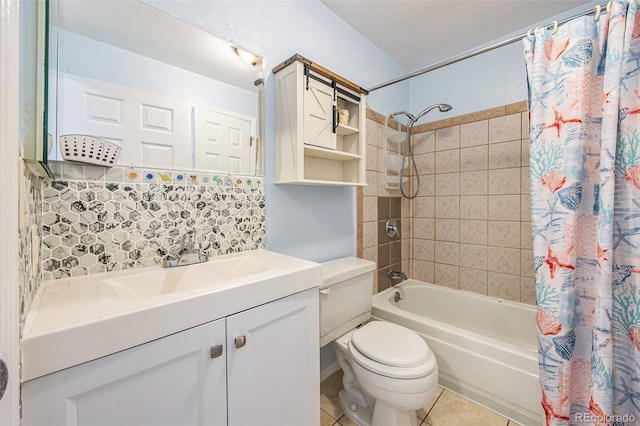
x: 474, y: 231
x: 370, y: 234
x: 447, y: 275
x: 473, y: 207
x: 424, y: 228
x: 372, y: 183
x: 470, y: 222
x: 504, y: 234
x: 480, y: 206
x: 447, y: 161
x: 473, y: 256
x: 448, y: 138
x: 504, y: 181
x: 474, y: 158
x: 423, y: 249
x: 426, y: 162
x: 423, y: 207
x: 506, y: 128
x: 448, y: 230
x: 370, y: 209
x: 448, y: 207
x: 474, y: 280
x: 474, y: 183
x: 473, y: 134
x: 504, y: 207
x: 506, y: 154
x: 447, y: 253
x: 447, y: 184
x: 424, y: 142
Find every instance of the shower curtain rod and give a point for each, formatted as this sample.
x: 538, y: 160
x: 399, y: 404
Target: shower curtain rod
x: 480, y: 51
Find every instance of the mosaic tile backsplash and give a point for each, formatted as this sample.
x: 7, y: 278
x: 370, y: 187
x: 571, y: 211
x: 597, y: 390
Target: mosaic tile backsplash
x: 98, y: 226
x: 30, y: 233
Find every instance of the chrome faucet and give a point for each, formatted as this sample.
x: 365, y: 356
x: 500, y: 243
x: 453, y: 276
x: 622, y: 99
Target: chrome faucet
x: 188, y: 254
x: 395, y: 276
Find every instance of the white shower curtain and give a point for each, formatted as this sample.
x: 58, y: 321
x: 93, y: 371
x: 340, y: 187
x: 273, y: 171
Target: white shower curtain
x: 584, y: 104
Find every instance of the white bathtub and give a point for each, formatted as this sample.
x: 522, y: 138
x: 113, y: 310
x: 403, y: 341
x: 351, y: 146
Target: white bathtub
x: 486, y: 348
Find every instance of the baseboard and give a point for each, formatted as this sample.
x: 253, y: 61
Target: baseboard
x: 329, y: 370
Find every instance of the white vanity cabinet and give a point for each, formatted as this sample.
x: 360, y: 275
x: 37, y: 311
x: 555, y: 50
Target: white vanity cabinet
x: 172, y: 380
x: 274, y: 379
x: 259, y: 366
x: 314, y: 146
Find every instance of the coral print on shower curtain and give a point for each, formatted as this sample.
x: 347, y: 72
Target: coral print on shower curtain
x: 584, y: 103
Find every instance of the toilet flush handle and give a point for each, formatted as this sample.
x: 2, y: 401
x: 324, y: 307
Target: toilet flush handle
x: 325, y: 291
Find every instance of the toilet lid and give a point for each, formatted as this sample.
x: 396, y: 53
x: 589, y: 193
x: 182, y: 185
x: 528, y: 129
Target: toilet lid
x: 391, y: 344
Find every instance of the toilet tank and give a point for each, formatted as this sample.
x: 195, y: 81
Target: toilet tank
x: 345, y: 296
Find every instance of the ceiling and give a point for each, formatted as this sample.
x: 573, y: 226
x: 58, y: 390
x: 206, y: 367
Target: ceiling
x: 419, y: 33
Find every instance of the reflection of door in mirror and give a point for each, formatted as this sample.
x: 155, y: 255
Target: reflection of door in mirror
x: 223, y: 141
x: 156, y: 125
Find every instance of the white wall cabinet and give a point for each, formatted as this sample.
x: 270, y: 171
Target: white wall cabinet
x: 313, y: 146
x: 260, y: 366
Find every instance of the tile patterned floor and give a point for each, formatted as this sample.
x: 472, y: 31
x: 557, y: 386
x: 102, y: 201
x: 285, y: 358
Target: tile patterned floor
x: 445, y: 409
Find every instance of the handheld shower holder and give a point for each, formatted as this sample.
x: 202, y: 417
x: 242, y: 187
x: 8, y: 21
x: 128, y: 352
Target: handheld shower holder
x: 395, y: 175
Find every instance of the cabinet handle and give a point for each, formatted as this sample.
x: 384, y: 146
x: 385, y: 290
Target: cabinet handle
x: 240, y: 341
x: 216, y: 351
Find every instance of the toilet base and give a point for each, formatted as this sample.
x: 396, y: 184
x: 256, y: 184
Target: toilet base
x: 358, y: 414
x: 379, y: 415
x: 385, y: 415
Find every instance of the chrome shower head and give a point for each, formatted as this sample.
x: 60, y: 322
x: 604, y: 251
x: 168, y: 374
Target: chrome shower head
x: 441, y: 107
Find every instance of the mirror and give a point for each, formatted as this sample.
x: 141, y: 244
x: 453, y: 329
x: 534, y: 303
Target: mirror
x: 169, y: 95
x: 33, y: 99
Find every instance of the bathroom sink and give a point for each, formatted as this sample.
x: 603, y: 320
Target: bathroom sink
x: 153, y: 282
x: 79, y: 319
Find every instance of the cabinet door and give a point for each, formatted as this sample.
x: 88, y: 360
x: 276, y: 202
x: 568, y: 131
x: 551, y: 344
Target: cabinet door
x: 318, y: 115
x: 273, y: 378
x: 170, y: 381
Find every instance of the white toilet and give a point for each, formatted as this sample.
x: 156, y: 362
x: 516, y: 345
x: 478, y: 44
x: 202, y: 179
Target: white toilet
x: 389, y: 371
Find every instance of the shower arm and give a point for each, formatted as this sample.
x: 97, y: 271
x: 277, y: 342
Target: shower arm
x: 413, y: 118
x: 405, y: 113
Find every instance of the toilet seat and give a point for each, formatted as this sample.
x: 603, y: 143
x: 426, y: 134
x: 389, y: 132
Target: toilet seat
x: 391, y: 350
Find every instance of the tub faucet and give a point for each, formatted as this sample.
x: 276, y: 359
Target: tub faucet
x: 188, y: 254
x: 395, y: 276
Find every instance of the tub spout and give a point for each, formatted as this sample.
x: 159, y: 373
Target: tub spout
x: 395, y: 276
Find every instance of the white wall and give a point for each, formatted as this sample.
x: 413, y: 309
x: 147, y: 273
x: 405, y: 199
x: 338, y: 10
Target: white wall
x: 492, y: 79
x: 485, y: 81
x: 315, y: 223
x: 9, y: 226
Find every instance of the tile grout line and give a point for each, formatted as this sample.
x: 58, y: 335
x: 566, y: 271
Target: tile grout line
x: 433, y: 406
